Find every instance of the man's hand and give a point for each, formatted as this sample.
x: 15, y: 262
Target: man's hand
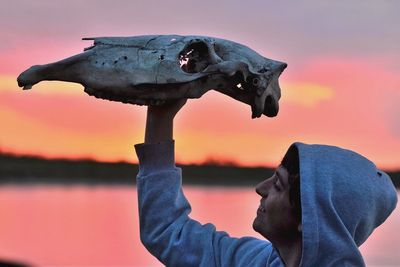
x: 159, y: 123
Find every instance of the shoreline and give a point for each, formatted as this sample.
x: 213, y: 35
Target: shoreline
x: 29, y: 170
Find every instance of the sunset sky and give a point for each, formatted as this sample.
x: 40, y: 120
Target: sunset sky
x: 341, y: 87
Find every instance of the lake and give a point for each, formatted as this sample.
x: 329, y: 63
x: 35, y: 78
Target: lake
x: 98, y: 225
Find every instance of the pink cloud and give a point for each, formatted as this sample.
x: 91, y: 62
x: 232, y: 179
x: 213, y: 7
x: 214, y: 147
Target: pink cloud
x: 73, y: 113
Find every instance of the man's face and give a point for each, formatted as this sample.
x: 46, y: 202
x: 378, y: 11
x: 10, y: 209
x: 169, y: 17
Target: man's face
x: 276, y: 218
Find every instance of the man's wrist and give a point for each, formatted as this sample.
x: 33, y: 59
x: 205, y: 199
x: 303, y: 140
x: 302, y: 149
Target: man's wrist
x: 158, y: 129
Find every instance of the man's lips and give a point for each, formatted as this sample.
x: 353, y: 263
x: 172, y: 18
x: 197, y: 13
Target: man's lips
x: 260, y: 209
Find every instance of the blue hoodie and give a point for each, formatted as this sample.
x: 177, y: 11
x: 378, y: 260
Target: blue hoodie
x: 344, y: 198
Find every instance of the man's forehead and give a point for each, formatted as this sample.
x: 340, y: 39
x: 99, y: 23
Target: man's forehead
x: 282, y: 173
x: 281, y: 169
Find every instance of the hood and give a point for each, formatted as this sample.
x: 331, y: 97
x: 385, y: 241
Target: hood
x: 344, y: 197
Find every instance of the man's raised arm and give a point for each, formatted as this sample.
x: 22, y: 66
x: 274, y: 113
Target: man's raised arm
x: 165, y: 227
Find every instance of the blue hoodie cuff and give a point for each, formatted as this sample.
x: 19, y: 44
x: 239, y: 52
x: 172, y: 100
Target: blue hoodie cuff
x: 155, y: 157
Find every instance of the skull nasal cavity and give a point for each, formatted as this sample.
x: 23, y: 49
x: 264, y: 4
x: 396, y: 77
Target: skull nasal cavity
x: 194, y: 57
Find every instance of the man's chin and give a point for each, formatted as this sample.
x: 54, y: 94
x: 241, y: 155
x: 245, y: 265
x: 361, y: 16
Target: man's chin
x: 257, y: 224
x: 260, y: 226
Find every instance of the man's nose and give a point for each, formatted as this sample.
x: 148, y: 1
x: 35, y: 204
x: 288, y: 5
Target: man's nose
x: 262, y: 188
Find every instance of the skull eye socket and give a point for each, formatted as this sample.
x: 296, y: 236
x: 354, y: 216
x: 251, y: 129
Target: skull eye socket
x: 194, y: 57
x: 256, y: 82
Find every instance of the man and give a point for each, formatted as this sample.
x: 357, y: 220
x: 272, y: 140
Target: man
x: 321, y: 204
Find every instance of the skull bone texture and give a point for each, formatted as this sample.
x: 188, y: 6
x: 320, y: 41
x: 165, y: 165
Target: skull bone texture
x: 154, y: 69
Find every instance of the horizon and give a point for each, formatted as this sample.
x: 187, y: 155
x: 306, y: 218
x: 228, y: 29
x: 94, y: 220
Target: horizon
x: 341, y: 87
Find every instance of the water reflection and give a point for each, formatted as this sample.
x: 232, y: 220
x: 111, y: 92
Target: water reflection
x: 98, y: 226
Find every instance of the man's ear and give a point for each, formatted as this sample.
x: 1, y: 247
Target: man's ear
x: 299, y: 227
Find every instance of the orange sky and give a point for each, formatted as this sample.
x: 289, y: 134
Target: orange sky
x: 342, y: 86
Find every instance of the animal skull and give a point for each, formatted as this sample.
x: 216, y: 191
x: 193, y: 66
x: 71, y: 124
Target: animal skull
x: 154, y: 69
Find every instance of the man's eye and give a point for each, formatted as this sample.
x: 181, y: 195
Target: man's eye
x: 277, y: 186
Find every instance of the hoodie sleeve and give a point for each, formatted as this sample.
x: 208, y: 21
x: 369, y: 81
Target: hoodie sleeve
x: 165, y: 227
